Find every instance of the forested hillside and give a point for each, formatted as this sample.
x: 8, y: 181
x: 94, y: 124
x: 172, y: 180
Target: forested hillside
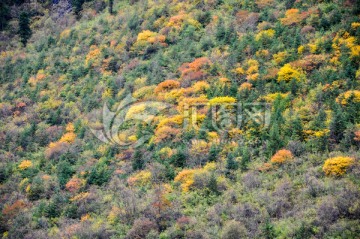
x: 180, y: 119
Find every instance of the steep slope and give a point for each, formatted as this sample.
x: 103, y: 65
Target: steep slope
x: 183, y: 119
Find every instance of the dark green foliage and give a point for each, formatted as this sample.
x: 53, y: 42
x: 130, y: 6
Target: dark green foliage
x: 111, y: 5
x: 99, y: 174
x: 231, y: 163
x: 212, y: 185
x: 337, y: 125
x: 319, y: 121
x: 138, y: 161
x: 178, y: 159
x: 24, y: 28
x: 64, y: 172
x: 352, y: 110
x: 275, y: 140
x: 77, y: 7
x: 305, y: 231
x: 296, y: 128
x: 4, y: 15
x: 245, y: 159
x: 5, y: 172
x: 213, y: 153
x: 268, y: 230
x: 36, y: 190
x: 53, y: 209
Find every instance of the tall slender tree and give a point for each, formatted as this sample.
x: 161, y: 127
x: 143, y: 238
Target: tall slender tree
x: 24, y: 28
x: 77, y: 7
x: 111, y: 5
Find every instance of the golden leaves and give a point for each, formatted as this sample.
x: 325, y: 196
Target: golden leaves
x: 282, y: 156
x: 337, y: 166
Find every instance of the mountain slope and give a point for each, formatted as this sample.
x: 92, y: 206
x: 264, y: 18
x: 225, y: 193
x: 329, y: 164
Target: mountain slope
x: 182, y: 119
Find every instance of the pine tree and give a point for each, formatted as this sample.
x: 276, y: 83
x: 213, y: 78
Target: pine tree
x: 245, y: 159
x: 24, y: 28
x: 337, y: 125
x: 111, y: 5
x: 231, y: 164
x: 4, y: 15
x: 213, y: 153
x: 268, y: 230
x: 138, y: 162
x: 319, y: 121
x: 212, y: 185
x: 275, y: 141
x: 77, y: 6
x: 296, y: 129
x: 352, y: 110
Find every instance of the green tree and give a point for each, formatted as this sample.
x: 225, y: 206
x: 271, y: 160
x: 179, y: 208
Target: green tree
x: 352, y: 110
x: 64, y: 172
x: 275, y: 140
x: 213, y: 153
x: 111, y: 5
x: 24, y: 28
x: 212, y: 185
x: 231, y: 164
x: 319, y: 121
x: 138, y: 162
x: 337, y: 125
x: 245, y: 159
x: 296, y: 128
x: 99, y: 174
x: 77, y: 7
x: 4, y: 15
x: 268, y: 230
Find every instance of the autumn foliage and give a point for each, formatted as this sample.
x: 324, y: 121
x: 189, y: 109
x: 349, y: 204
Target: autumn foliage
x: 293, y: 16
x: 74, y: 184
x: 282, y: 156
x: 180, y: 119
x: 195, y: 70
x: 288, y: 73
x: 25, y: 164
x: 345, y: 97
x: 337, y: 166
x: 167, y: 85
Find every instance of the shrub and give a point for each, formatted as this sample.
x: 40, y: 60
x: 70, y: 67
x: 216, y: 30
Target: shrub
x: 74, y: 184
x: 25, y: 164
x: 337, y: 166
x: 222, y: 100
x: 99, y: 174
x: 265, y: 34
x: 344, y: 97
x: 282, y: 156
x: 141, y: 228
x: 166, y: 133
x: 140, y: 179
x: 167, y: 85
x: 56, y: 149
x: 186, y: 178
x: 287, y: 73
x: 199, y: 151
x: 292, y: 17
x: 195, y: 67
x: 234, y: 230
x: 200, y: 86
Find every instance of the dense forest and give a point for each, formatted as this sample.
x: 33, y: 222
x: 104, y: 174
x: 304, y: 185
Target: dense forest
x: 180, y: 119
